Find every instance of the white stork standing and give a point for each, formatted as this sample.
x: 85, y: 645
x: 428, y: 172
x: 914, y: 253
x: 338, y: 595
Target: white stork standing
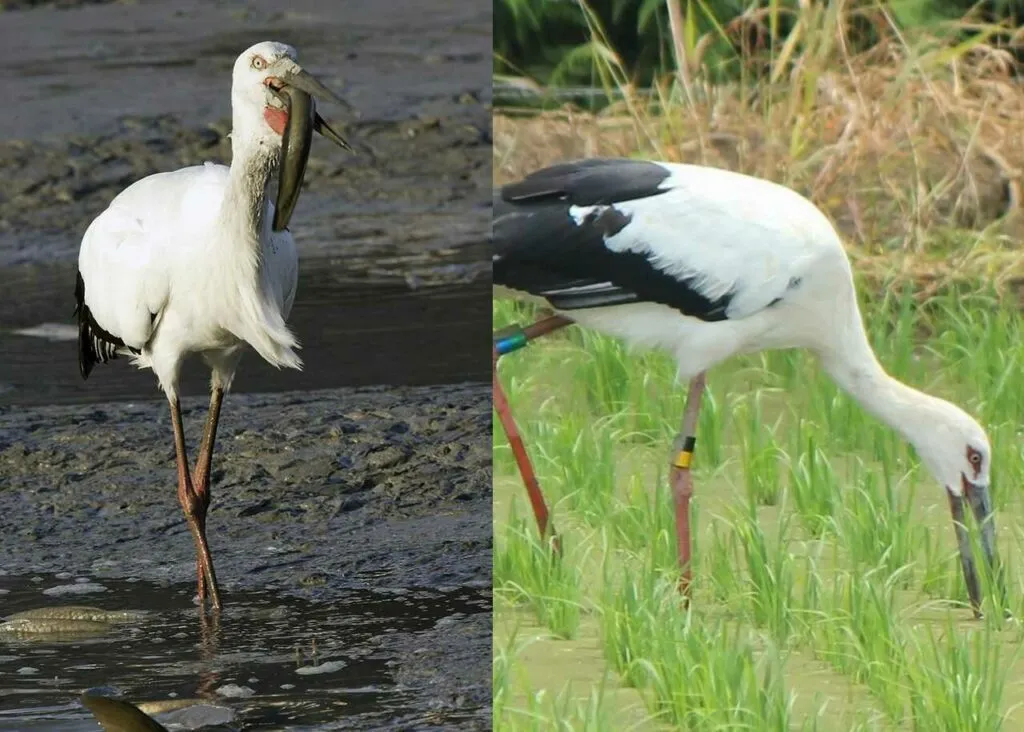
x: 708, y: 263
x: 189, y: 262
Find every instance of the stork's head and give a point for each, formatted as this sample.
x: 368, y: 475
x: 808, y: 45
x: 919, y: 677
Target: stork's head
x: 956, y: 450
x: 273, y: 107
x: 260, y: 74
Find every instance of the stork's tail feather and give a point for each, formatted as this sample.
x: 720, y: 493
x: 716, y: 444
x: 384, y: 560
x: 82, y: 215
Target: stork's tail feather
x: 95, y: 345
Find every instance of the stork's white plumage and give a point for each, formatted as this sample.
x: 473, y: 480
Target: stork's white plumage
x: 706, y: 264
x: 187, y: 262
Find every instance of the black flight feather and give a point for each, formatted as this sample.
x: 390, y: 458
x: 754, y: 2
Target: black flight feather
x: 541, y: 249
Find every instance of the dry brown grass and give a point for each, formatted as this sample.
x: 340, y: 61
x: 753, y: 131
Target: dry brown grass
x: 918, y: 157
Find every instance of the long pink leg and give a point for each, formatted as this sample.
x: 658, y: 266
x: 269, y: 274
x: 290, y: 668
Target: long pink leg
x: 505, y: 343
x: 682, y: 480
x: 194, y: 503
x: 201, y: 482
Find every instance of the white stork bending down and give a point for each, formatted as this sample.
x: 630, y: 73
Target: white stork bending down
x: 706, y: 264
x: 189, y: 262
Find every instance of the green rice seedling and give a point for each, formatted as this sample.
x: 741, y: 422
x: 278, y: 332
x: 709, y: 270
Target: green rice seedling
x: 546, y: 712
x: 770, y: 573
x: 813, y: 483
x: 527, y: 572
x: 719, y: 568
x: 761, y: 456
x: 699, y: 673
x: 860, y: 634
x: 876, y: 528
x: 710, y: 427
x: 654, y: 400
x: 892, y: 328
x: 939, y: 562
x: 644, y: 522
x: 576, y: 464
x: 502, y: 662
x: 1007, y: 461
x: 604, y: 370
x: 786, y: 368
x: 957, y: 680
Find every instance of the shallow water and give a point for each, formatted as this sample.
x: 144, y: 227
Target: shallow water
x: 262, y: 641
x: 355, y: 330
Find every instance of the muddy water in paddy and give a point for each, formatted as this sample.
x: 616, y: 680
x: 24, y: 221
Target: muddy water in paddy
x: 351, y: 501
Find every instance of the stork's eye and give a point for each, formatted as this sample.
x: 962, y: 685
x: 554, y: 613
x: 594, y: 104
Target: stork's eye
x: 975, y: 458
x: 259, y: 63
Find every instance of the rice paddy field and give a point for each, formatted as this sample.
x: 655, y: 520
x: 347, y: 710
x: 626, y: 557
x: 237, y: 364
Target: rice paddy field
x: 827, y: 592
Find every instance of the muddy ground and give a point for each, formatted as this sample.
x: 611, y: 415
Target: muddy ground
x: 315, y: 494
x: 102, y: 95
x: 323, y: 482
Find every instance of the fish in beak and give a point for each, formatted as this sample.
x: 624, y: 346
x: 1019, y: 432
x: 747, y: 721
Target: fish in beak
x: 977, y: 496
x: 297, y: 88
x: 115, y: 715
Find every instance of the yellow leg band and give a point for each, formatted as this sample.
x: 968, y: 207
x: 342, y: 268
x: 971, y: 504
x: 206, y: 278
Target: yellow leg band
x: 683, y: 459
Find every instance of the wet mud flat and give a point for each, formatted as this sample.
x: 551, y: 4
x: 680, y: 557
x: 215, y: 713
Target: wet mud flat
x: 108, y: 93
x: 319, y: 497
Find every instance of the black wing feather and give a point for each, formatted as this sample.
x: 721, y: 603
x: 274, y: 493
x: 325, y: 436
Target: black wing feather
x: 539, y: 248
x: 95, y: 345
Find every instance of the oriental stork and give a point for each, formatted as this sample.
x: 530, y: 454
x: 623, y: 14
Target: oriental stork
x: 199, y: 261
x: 706, y: 264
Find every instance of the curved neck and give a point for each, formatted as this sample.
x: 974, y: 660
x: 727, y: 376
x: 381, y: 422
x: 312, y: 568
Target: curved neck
x: 853, y: 366
x: 242, y: 210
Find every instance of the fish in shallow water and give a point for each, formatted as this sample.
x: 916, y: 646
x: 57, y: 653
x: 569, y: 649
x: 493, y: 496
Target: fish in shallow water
x: 116, y: 715
x: 64, y: 622
x: 78, y: 612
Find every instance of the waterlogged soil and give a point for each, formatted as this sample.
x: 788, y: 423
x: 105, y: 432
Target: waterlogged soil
x: 316, y: 496
x: 273, y: 661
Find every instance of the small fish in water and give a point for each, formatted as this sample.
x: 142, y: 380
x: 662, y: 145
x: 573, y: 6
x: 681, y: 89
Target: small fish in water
x: 45, y: 629
x: 115, y: 715
x: 79, y: 612
x: 62, y: 622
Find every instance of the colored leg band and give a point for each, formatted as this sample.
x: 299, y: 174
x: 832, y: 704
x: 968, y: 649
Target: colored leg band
x: 685, y: 456
x: 512, y: 342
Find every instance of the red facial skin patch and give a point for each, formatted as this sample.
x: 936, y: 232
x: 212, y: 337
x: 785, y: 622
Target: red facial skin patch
x: 276, y: 118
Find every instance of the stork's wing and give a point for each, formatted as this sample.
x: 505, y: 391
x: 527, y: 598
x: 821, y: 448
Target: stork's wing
x: 121, y: 287
x: 708, y: 242
x: 131, y: 251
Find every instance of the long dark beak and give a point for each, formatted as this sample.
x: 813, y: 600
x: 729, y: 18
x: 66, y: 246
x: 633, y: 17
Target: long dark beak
x: 980, y: 501
x: 115, y: 715
x: 298, y: 88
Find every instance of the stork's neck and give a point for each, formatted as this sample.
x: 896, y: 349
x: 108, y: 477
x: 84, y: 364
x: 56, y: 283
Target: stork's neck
x: 854, y: 367
x: 244, y: 205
